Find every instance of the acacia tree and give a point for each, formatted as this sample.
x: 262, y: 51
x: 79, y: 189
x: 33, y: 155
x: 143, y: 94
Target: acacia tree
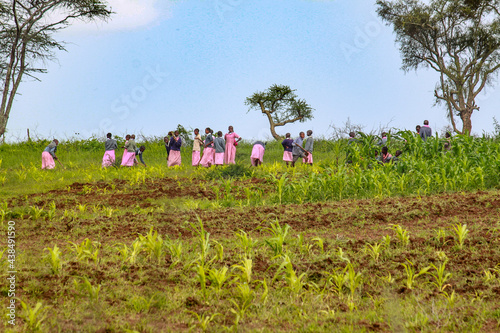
x: 26, y: 42
x: 281, y: 106
x: 460, y: 39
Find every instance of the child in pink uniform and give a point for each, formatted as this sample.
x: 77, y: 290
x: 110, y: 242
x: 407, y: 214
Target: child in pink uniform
x: 219, y: 149
x: 208, y: 152
x: 258, y: 150
x: 231, y: 143
x: 287, y: 146
x: 49, y: 155
x: 196, y: 156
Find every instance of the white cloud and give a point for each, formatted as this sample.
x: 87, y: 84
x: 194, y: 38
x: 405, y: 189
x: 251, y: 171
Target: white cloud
x: 128, y: 15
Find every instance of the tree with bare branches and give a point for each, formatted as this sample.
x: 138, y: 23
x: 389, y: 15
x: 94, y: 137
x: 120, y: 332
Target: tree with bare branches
x: 281, y: 106
x: 26, y: 39
x: 459, y: 39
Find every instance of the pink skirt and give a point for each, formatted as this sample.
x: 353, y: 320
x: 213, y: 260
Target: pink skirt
x: 308, y: 159
x: 195, y: 157
x: 287, y: 156
x: 108, y: 159
x: 208, y: 157
x: 174, y: 158
x: 257, y: 153
x: 47, y: 161
x: 230, y: 153
x: 128, y: 159
x: 219, y: 158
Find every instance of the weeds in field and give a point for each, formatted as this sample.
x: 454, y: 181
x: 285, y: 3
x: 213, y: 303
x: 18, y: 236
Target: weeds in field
x: 143, y: 304
x: 461, y: 232
x: 54, y: 259
x: 87, y: 288
x: 33, y: 317
x: 411, y: 276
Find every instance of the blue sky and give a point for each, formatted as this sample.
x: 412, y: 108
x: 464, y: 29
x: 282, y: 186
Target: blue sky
x: 157, y: 64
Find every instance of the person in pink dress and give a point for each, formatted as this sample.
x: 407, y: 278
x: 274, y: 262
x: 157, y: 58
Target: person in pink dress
x: 257, y: 156
x: 174, y: 158
x: 49, y: 155
x: 231, y: 143
x: 208, y: 150
x: 197, y: 142
x: 109, y: 155
x: 287, y: 146
x: 219, y: 149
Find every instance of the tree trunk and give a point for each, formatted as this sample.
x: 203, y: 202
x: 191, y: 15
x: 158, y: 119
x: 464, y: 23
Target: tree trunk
x: 3, y: 124
x: 466, y: 122
x: 273, y: 132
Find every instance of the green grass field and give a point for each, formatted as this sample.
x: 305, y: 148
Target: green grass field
x: 347, y: 247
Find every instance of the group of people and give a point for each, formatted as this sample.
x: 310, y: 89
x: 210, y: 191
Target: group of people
x: 219, y: 149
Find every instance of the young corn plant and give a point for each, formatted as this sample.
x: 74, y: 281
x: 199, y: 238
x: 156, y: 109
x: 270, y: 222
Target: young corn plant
x: 54, y: 259
x: 375, y: 250
x: 203, y: 241
x: 278, y: 238
x: 36, y: 213
x: 129, y: 255
x: 217, y: 277
x: 352, y: 280
x: 33, y: 317
x: 319, y: 242
x: 242, y: 302
x: 203, y: 320
x: 245, y: 270
x: 440, y: 277
x: 461, y: 232
x: 247, y: 243
x: 295, y: 283
x: 87, y: 288
x: 153, y: 244
x: 411, y: 276
x: 86, y: 250
x: 202, y: 278
x: 175, y: 249
x: 402, y: 234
